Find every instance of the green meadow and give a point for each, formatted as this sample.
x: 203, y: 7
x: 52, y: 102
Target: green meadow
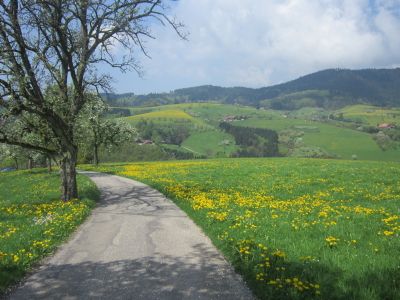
x: 371, y: 115
x: 339, y: 141
x: 211, y: 143
x: 294, y: 228
x: 335, y: 138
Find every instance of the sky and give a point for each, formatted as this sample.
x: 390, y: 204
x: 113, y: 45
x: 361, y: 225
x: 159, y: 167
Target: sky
x: 256, y: 43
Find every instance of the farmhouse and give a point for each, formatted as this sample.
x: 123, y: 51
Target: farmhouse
x: 147, y: 142
x: 386, y: 126
x: 234, y: 118
x: 229, y: 118
x: 144, y: 142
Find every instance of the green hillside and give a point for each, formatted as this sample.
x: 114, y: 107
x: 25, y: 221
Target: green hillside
x: 202, y: 122
x: 371, y: 115
x: 337, y: 141
x: 210, y: 143
x: 165, y: 115
x: 210, y: 111
x: 215, y: 113
x: 348, y: 133
x: 182, y: 106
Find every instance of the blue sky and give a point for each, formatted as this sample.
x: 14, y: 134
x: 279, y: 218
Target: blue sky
x: 257, y: 43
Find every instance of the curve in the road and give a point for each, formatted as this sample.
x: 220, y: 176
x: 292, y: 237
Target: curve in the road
x: 136, y: 245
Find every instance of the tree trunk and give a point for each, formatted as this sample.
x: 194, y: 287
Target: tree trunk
x: 69, y: 188
x: 49, y: 166
x: 96, y: 155
x: 16, y: 163
x: 30, y: 163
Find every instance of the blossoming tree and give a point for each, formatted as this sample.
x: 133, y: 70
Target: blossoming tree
x: 60, y: 43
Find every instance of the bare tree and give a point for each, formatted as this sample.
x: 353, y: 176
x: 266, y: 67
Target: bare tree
x: 59, y: 43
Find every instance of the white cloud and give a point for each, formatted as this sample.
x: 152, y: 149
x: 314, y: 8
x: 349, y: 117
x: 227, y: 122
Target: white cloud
x: 258, y: 43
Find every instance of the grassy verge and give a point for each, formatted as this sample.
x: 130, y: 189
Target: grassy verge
x: 33, y: 221
x: 294, y: 228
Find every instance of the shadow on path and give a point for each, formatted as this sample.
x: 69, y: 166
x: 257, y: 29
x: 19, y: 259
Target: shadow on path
x: 165, y: 277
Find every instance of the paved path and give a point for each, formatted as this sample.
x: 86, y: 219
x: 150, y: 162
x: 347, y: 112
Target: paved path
x: 136, y: 245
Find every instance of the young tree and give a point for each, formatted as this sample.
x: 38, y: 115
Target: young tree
x: 94, y: 131
x: 17, y: 156
x: 59, y: 43
x: 12, y: 153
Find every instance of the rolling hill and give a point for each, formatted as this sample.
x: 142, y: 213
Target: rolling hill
x: 307, y: 132
x: 332, y: 88
x: 333, y: 113
x: 370, y: 115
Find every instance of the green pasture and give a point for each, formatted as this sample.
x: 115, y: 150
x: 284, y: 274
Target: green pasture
x: 371, y: 115
x: 338, y: 141
x: 334, y: 138
x: 308, y: 113
x: 211, y: 143
x: 167, y: 116
x: 210, y: 112
x: 215, y: 113
x: 137, y: 110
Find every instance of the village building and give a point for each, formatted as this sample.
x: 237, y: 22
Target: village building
x: 386, y: 126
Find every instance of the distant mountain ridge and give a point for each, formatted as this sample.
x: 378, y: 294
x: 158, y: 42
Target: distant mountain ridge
x: 332, y: 88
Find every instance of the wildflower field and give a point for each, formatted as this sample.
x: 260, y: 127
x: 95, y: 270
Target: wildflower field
x: 33, y: 221
x: 294, y: 228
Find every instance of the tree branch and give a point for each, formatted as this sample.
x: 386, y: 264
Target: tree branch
x: 41, y: 149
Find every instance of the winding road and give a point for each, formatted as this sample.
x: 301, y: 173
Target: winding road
x: 136, y: 244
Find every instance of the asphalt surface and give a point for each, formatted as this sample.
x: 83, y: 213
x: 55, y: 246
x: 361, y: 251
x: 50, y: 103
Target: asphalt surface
x: 136, y: 245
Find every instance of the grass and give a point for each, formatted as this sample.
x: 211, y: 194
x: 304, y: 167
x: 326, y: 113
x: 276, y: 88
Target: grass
x: 214, y: 113
x: 33, y: 221
x: 210, y: 143
x: 203, y: 118
x: 210, y: 112
x: 371, y: 115
x: 182, y: 149
x: 167, y: 116
x: 339, y: 141
x: 307, y: 113
x: 294, y: 228
x: 136, y: 110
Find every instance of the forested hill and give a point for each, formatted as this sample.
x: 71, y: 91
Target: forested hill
x: 331, y: 88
